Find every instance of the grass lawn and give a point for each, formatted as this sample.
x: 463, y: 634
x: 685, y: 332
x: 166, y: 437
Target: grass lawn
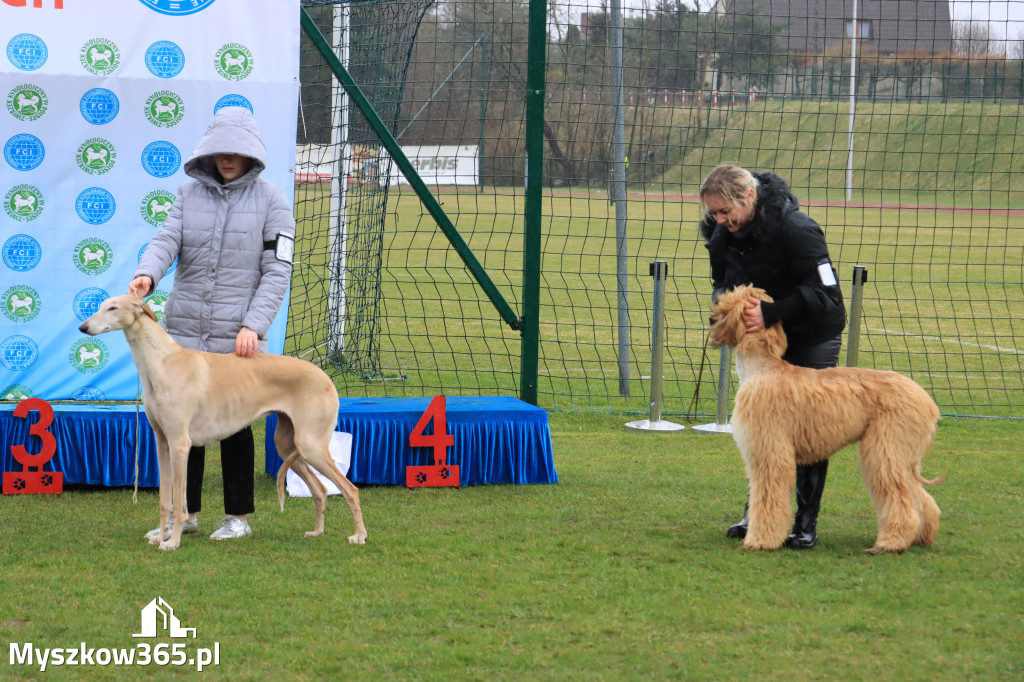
x: 619, y: 571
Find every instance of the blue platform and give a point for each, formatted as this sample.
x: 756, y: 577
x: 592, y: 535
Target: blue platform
x: 497, y: 440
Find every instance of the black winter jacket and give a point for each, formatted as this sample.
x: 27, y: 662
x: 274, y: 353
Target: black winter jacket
x: 780, y: 252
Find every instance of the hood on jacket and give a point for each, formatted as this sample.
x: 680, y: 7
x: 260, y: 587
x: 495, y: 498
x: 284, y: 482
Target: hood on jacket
x: 233, y: 130
x: 774, y: 198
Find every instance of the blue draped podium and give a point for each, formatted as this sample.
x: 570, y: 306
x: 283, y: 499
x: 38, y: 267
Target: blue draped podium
x: 497, y: 440
x: 95, y: 444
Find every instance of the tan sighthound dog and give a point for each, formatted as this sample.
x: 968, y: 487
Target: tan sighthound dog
x: 196, y: 398
x: 787, y: 415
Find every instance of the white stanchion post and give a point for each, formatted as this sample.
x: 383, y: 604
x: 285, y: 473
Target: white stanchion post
x: 659, y: 270
x: 721, y: 424
x: 860, y: 278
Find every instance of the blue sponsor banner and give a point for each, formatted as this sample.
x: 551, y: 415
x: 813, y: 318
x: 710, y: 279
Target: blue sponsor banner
x: 101, y: 105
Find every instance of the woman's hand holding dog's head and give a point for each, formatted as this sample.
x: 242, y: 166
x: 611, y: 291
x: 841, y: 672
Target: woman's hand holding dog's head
x: 753, y: 316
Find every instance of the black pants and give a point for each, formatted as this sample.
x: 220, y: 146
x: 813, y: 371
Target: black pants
x: 810, y: 478
x: 237, y: 459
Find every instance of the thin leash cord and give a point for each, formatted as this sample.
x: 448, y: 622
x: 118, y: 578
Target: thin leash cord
x: 690, y: 411
x: 138, y: 399
x: 138, y: 393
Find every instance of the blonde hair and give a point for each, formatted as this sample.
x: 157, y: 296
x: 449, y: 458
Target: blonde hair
x: 729, y: 182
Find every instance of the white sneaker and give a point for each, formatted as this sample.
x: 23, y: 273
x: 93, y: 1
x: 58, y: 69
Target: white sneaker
x: 189, y: 527
x: 231, y: 527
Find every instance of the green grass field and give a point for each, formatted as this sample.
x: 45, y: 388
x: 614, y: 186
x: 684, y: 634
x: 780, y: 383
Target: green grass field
x: 621, y: 571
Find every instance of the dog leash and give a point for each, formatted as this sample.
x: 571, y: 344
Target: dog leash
x: 138, y: 399
x: 690, y: 411
x: 138, y: 393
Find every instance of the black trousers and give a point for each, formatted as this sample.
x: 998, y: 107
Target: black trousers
x: 237, y: 459
x: 810, y: 478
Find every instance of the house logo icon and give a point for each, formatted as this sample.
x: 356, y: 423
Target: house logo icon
x: 158, y: 616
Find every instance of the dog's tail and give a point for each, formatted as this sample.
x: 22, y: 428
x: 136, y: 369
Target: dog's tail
x: 924, y: 481
x: 281, y: 474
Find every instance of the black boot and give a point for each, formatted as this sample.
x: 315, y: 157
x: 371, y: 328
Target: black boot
x: 810, y: 484
x: 739, y: 530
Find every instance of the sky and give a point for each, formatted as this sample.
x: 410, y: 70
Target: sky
x: 1006, y: 16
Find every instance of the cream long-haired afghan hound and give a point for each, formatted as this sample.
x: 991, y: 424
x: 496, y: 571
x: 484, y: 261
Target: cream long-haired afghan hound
x: 787, y: 415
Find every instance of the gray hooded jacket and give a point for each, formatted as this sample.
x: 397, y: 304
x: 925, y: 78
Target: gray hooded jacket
x: 226, y: 278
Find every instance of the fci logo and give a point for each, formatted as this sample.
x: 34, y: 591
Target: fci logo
x: 96, y: 156
x: 100, y: 56
x: 24, y: 202
x: 89, y: 356
x: 165, y: 108
x: 233, y: 61
x: 93, y: 256
x: 27, y: 102
x: 20, y: 303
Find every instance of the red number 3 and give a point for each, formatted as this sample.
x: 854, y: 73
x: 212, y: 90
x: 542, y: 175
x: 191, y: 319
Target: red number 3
x: 39, y: 430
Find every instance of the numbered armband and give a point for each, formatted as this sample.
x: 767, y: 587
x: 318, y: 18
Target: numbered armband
x: 825, y: 272
x: 283, y: 247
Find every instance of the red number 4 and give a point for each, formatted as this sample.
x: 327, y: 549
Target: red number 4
x: 440, y: 439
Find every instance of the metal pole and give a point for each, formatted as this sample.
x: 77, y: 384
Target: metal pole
x: 860, y: 277
x: 618, y: 195
x: 483, y: 113
x: 532, y: 219
x: 853, y: 102
x: 721, y: 424
x: 659, y: 271
x: 341, y: 171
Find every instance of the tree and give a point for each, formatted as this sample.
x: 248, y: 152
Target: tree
x: 1015, y: 45
x: 972, y: 38
x: 745, y: 44
x: 669, y: 44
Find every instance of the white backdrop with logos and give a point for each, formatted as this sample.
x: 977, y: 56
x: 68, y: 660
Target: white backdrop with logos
x: 102, y: 104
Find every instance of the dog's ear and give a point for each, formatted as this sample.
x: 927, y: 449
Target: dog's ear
x: 147, y: 312
x: 728, y: 327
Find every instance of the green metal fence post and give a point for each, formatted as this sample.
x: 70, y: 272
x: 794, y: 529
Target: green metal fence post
x: 536, y: 55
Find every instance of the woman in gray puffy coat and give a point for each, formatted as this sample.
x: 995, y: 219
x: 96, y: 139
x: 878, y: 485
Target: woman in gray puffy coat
x: 231, y: 232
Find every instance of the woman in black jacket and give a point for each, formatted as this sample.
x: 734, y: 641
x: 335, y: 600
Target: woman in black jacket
x: 756, y: 234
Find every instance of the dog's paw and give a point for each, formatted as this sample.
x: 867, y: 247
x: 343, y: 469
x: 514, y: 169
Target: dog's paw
x: 167, y: 546
x: 878, y: 549
x: 357, y: 539
x: 314, y: 533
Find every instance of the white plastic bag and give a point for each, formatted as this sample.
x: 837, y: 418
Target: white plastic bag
x: 341, y: 453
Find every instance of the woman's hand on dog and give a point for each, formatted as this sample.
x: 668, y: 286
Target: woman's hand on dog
x: 246, y: 343
x: 753, y: 317
x: 140, y: 286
